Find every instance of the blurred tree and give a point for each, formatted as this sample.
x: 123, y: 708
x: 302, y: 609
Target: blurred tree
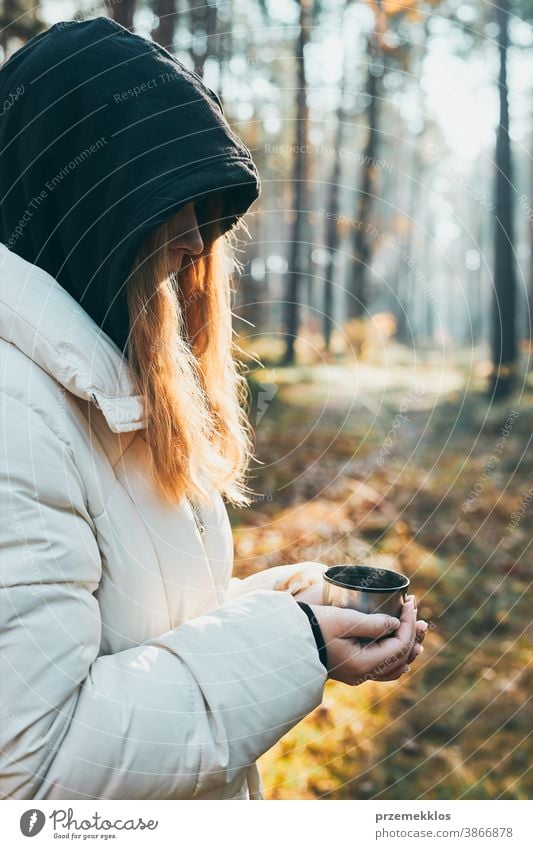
x: 524, y: 10
x: 300, y: 204
x: 166, y: 12
x: 358, y: 268
x: 479, y: 25
x: 19, y: 21
x: 331, y: 237
x: 203, y: 27
x: 530, y: 294
x: 504, y: 345
x: 333, y: 206
x: 408, y: 191
x: 123, y: 12
x: 388, y: 47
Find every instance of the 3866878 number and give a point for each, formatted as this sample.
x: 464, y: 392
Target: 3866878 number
x: 490, y: 831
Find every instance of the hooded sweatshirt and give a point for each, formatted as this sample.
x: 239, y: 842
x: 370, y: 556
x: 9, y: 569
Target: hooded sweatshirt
x: 104, y: 135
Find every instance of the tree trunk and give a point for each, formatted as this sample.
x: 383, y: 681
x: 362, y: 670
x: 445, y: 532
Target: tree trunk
x: 203, y: 18
x: 164, y: 32
x: 504, y: 302
x: 530, y: 299
x: 332, y: 228
x: 476, y: 287
x: 299, y: 183
x: 123, y: 13
x: 357, y: 287
x: 17, y: 22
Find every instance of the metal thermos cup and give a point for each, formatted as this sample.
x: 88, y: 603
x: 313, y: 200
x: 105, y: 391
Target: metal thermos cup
x: 368, y: 589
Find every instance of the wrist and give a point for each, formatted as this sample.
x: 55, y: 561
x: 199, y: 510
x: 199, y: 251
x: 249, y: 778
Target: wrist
x: 317, y: 633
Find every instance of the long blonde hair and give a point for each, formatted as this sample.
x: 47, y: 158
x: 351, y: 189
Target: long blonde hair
x: 180, y: 349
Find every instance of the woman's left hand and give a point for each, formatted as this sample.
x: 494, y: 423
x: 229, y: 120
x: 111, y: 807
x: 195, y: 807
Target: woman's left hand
x: 313, y: 595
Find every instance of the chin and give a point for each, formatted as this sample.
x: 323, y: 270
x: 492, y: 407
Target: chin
x: 176, y: 261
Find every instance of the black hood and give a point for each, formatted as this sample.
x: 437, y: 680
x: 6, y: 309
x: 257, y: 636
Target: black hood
x: 104, y: 135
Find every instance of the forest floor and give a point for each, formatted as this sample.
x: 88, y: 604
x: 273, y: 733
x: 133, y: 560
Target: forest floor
x: 407, y: 466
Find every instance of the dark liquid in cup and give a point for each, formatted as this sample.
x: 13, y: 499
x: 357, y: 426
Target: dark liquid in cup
x: 367, y: 578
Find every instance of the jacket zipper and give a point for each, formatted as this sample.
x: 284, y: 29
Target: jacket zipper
x: 197, y: 516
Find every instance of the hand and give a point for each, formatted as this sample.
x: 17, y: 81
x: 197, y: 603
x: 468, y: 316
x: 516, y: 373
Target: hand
x: 313, y: 595
x: 352, y: 662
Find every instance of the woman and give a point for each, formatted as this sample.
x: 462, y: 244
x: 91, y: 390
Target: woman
x: 132, y: 664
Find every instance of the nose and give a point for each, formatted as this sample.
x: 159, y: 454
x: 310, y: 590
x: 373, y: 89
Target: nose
x: 185, y: 226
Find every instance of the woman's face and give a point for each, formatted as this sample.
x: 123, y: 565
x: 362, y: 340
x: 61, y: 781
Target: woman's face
x: 184, y: 235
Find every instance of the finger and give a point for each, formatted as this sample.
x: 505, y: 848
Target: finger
x: 412, y: 649
x: 413, y: 599
x: 397, y: 664
x: 415, y: 652
x: 415, y: 602
x: 407, y: 619
x: 393, y: 676
x: 421, y: 630
x: 391, y: 652
x: 384, y: 676
x: 371, y: 625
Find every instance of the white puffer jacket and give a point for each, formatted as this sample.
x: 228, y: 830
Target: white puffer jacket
x: 132, y: 665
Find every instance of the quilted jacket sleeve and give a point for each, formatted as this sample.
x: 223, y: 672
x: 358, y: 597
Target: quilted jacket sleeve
x: 179, y: 716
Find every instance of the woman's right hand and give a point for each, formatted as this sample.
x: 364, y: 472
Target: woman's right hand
x: 353, y: 662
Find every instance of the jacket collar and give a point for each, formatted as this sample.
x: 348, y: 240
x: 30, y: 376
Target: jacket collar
x: 44, y: 321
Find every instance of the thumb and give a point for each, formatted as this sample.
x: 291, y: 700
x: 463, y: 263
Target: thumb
x: 372, y: 625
